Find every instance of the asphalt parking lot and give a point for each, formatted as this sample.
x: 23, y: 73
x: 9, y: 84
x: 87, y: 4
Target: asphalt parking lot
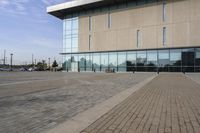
x: 38, y: 101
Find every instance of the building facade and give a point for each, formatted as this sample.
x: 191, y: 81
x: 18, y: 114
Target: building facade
x: 130, y: 35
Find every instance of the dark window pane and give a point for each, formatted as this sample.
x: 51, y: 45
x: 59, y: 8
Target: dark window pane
x: 188, y: 57
x: 175, y: 57
x: 197, y: 57
x: 174, y: 69
x: 188, y: 69
x: 197, y: 69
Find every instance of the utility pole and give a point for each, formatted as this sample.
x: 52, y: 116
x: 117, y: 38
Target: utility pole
x: 4, y: 58
x: 49, y: 63
x: 11, y: 61
x: 35, y: 62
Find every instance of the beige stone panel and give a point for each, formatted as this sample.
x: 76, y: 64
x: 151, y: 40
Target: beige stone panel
x: 195, y: 9
x: 134, y: 15
x: 111, y: 40
x: 83, y: 42
x: 169, y: 36
x: 149, y: 15
x: 120, y: 20
x: 99, y: 41
x: 83, y: 25
x: 149, y: 37
x: 123, y: 39
x: 100, y: 23
x: 181, y: 11
x: 195, y: 33
x: 180, y: 34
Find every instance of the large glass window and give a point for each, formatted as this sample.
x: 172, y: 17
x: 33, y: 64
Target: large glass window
x: 131, y: 61
x: 188, y: 59
x: 163, y: 60
x: 175, y: 57
x: 88, y: 62
x: 104, y: 61
x: 82, y: 62
x: 96, y: 61
x: 67, y: 62
x: 141, y: 60
x: 70, y: 35
x: 152, y: 60
x: 175, y: 60
x: 121, y: 61
x: 113, y: 61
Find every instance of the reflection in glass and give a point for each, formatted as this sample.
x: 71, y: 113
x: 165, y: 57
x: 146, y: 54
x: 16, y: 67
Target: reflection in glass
x: 188, y: 60
x: 175, y: 60
x: 131, y: 61
x: 67, y: 62
x: 141, y: 58
x: 113, y: 60
x: 163, y: 60
x: 88, y: 62
x: 74, y: 58
x: 152, y: 61
x: 122, y: 61
x: 152, y: 58
x: 82, y: 62
x: 197, y: 57
x: 96, y: 61
x: 104, y: 61
x: 175, y: 57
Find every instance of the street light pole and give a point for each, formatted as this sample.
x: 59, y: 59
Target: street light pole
x: 4, y: 59
x: 11, y: 61
x: 32, y: 59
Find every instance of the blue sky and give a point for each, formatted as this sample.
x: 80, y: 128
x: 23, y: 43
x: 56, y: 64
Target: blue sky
x: 26, y: 29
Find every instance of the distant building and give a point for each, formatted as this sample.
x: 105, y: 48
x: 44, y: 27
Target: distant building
x: 130, y: 35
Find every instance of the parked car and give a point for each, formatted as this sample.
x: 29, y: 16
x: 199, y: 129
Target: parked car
x: 23, y: 69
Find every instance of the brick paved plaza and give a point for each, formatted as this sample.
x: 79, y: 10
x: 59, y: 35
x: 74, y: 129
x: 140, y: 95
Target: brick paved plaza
x: 36, y: 102
x: 170, y: 103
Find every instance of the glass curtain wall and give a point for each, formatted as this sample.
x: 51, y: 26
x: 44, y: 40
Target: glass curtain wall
x: 168, y: 60
x: 122, y: 58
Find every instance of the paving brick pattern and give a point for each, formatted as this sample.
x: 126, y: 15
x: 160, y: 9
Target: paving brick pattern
x: 36, y: 102
x: 170, y: 103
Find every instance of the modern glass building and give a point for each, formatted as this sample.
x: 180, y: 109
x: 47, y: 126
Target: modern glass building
x: 130, y: 35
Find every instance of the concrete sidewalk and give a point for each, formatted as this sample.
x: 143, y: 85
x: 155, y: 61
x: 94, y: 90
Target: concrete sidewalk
x: 170, y: 103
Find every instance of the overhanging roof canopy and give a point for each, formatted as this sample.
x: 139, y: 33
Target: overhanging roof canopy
x: 63, y: 9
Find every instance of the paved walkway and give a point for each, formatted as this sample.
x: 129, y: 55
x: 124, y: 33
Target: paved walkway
x: 170, y: 103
